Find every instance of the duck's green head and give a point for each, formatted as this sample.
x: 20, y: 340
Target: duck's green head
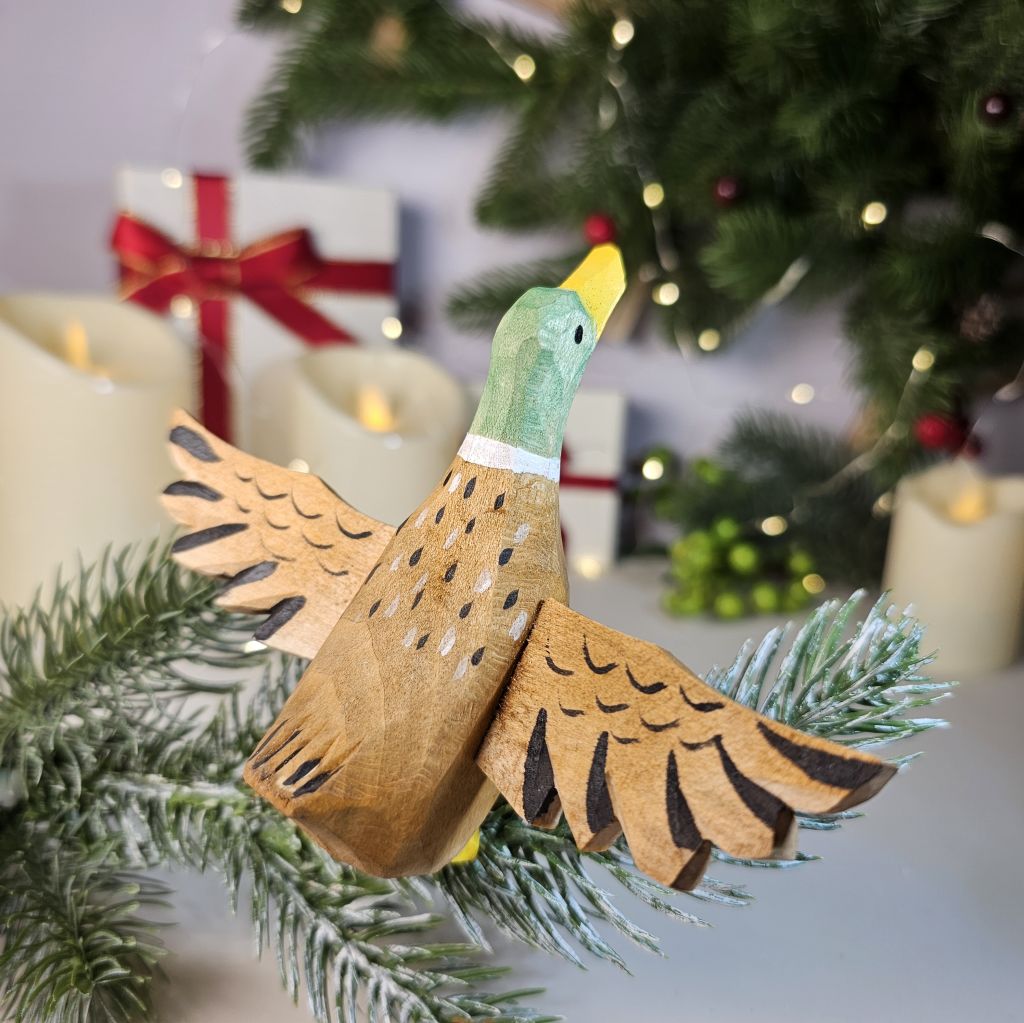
x: 540, y: 350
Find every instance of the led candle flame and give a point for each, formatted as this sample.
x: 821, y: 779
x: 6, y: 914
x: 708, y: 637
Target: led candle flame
x: 373, y: 411
x: 972, y: 505
x: 76, y: 347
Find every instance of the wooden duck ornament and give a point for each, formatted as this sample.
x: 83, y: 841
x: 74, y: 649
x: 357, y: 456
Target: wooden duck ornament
x: 447, y: 666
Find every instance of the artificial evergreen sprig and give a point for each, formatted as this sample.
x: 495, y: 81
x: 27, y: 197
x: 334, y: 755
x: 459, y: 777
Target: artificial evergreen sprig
x: 112, y: 775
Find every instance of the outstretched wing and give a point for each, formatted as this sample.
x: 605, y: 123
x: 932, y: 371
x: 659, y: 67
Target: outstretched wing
x: 621, y: 737
x: 290, y: 545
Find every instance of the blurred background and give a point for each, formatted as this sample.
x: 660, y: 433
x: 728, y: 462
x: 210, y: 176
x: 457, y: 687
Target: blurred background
x: 815, y: 381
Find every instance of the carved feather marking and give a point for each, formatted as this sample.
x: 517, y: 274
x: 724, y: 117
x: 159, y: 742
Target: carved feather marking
x: 274, y: 525
x: 610, y: 708
x: 305, y: 515
x: 326, y: 547
x: 652, y: 727
x: 570, y: 712
x: 186, y: 488
x: 599, y: 801
x: 301, y: 771
x: 822, y: 766
x: 273, y: 753
x: 192, y: 540
x: 538, y: 776
x: 339, y: 573
x: 597, y: 669
x: 314, y: 783
x: 556, y: 669
x: 353, y: 536
x: 270, y: 497
x: 703, y: 708
x: 760, y: 802
x: 193, y: 443
x: 624, y: 740
x: 268, y: 738
x: 654, y: 687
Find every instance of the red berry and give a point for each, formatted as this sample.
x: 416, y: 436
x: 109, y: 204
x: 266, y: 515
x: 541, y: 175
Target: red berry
x: 940, y: 432
x: 727, y: 190
x: 598, y: 229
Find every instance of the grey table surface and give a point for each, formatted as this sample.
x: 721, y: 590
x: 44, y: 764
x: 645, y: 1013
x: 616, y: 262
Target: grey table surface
x: 915, y: 912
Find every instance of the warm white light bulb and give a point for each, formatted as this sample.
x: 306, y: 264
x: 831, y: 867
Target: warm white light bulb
x: 774, y: 525
x: 588, y: 566
x: 182, y: 307
x: 666, y: 293
x: 391, y: 327
x: 622, y: 33
x: 291, y: 6
x: 654, y: 195
x: 524, y: 66
x: 923, y: 360
x: 708, y: 340
x: 802, y: 394
x: 171, y: 177
x: 813, y: 583
x: 653, y: 468
x: 873, y: 214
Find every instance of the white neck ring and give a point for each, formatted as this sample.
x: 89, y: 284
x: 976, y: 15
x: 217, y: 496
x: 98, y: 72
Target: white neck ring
x: 496, y: 454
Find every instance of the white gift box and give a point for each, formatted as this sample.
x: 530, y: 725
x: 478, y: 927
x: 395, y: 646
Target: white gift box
x: 345, y: 223
x: 591, y: 469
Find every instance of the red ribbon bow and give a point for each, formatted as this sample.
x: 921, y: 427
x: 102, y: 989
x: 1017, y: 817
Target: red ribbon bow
x: 273, y: 273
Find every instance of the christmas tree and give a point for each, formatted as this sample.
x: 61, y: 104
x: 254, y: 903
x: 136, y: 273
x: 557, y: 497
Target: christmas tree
x: 741, y: 153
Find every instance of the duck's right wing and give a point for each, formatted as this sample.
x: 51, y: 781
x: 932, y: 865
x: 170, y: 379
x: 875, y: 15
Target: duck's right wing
x: 290, y: 545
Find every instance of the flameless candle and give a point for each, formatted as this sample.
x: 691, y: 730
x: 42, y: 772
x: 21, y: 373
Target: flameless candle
x: 87, y: 386
x: 379, y: 426
x: 956, y: 554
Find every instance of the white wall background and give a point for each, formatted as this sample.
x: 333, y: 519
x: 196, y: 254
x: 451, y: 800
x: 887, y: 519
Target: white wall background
x: 87, y: 87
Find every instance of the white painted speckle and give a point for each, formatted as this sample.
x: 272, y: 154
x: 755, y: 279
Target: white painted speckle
x: 447, y: 642
x: 420, y: 583
x: 421, y: 518
x: 518, y: 625
x: 521, y: 533
x: 396, y: 562
x: 409, y: 637
x: 452, y: 537
x: 483, y: 581
x: 456, y: 480
x: 461, y: 669
x: 391, y: 608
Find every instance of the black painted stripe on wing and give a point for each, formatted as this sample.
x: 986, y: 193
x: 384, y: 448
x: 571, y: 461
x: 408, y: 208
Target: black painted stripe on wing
x: 193, y: 443
x: 267, y: 739
x: 556, y: 669
x: 353, y: 536
x: 570, y: 712
x: 659, y: 727
x: 597, y: 669
x: 624, y: 740
x: 277, y: 768
x: 301, y: 771
x: 252, y: 574
x: 314, y: 783
x: 191, y: 540
x: 706, y: 707
x: 274, y: 752
x: 610, y: 708
x: 599, y: 801
x: 760, y: 802
x: 280, y: 614
x: 821, y: 766
x: 187, y: 488
x: 654, y: 687
x: 681, y: 823
x: 538, y: 774
x: 305, y: 515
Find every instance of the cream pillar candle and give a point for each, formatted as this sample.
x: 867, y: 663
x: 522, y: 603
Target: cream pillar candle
x: 86, y: 389
x: 956, y: 554
x: 379, y: 426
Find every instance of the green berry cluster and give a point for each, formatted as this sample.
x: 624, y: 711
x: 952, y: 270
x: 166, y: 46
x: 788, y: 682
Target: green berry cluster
x: 728, y: 571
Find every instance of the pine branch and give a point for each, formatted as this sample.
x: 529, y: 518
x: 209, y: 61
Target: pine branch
x: 76, y: 946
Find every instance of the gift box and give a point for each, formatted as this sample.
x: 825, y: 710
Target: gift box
x: 592, y: 458
x: 256, y: 269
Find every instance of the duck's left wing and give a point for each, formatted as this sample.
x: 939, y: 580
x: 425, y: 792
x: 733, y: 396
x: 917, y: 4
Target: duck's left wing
x: 620, y: 737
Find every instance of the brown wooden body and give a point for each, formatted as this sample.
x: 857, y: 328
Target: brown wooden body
x: 374, y: 752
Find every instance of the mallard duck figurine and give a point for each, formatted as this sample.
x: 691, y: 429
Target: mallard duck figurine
x: 447, y: 666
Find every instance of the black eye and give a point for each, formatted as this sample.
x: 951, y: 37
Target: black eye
x: 579, y: 334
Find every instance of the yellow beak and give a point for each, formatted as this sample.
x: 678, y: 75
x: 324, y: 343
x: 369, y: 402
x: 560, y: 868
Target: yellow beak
x: 600, y: 281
